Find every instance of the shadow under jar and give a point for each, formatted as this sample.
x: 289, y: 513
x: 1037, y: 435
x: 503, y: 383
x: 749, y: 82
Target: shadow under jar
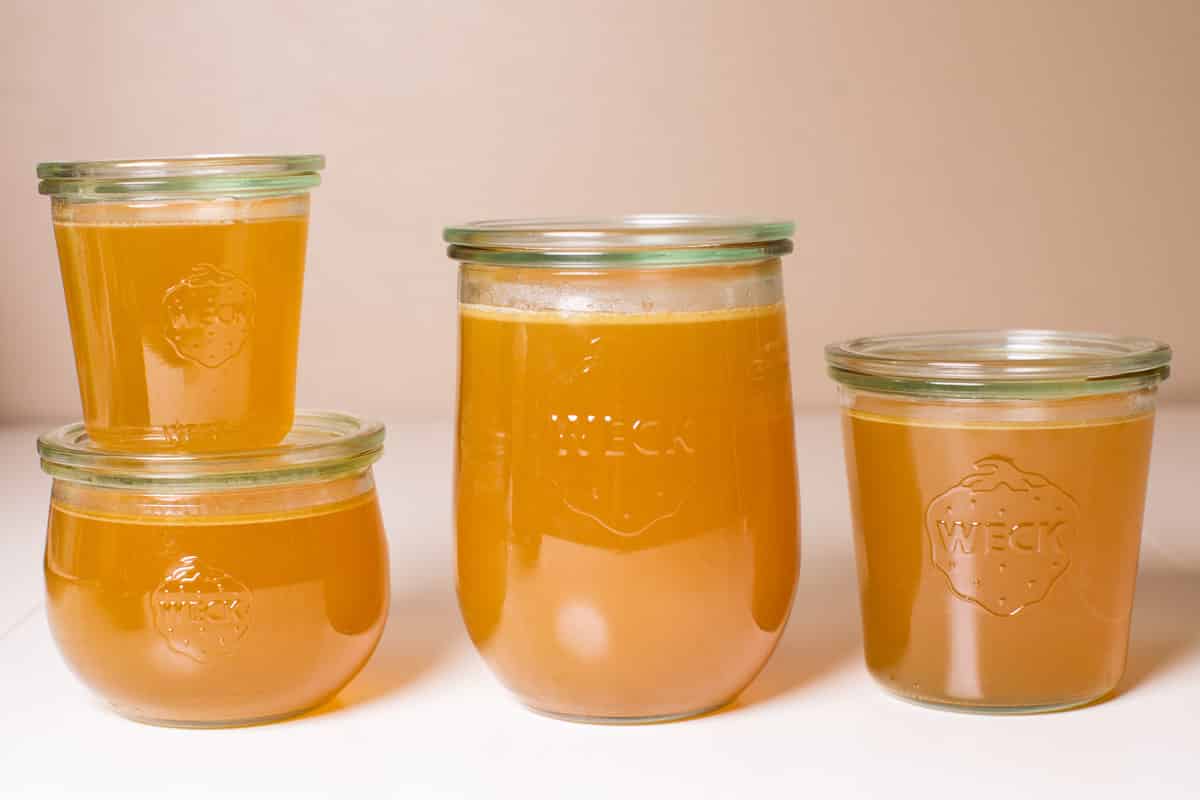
x: 997, y: 482
x: 625, y: 484
x: 222, y: 589
x: 183, y: 281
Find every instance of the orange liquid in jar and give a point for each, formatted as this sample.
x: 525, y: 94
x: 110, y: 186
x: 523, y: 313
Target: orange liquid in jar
x: 240, y: 618
x: 626, y: 504
x: 185, y: 319
x: 997, y: 562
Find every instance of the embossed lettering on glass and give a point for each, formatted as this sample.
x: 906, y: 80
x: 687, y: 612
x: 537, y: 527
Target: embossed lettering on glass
x: 627, y: 536
x: 1001, y: 535
x: 997, y: 480
x: 210, y: 315
x: 183, y: 280
x: 200, y: 610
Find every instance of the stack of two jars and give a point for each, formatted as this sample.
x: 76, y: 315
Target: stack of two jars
x: 213, y: 556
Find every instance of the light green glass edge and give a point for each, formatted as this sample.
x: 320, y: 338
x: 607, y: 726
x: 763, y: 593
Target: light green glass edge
x: 1001, y: 390
x: 361, y: 446
x: 677, y: 257
x: 491, y: 235
x: 121, y: 169
x: 307, y: 473
x: 226, y: 185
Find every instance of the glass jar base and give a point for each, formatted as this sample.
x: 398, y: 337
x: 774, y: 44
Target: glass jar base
x: 652, y: 719
x: 993, y: 710
x: 219, y: 723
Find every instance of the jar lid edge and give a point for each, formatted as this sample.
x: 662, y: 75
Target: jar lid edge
x: 1000, y: 362
x: 225, y: 174
x: 321, y: 445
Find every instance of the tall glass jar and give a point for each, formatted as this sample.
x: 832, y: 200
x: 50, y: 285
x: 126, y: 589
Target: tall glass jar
x: 183, y: 280
x: 625, y: 485
x: 997, y: 480
x: 217, y: 589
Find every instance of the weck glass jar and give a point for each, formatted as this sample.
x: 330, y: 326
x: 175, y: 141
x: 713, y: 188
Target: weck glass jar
x: 217, y: 589
x: 997, y: 481
x: 183, y: 279
x: 625, y: 485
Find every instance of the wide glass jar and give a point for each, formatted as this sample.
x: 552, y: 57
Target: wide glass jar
x: 625, y: 485
x: 223, y: 589
x: 183, y: 279
x: 997, y: 481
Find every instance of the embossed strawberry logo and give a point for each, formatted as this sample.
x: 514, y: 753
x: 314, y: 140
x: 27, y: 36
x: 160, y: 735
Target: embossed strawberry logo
x: 201, y: 611
x: 1002, y: 536
x: 209, y: 315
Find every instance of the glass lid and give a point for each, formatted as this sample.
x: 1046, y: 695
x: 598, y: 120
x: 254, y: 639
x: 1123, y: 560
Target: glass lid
x: 227, y: 175
x: 321, y: 445
x: 638, y: 240
x: 999, y: 363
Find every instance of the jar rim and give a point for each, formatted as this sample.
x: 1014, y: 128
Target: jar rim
x: 322, y: 445
x: 635, y: 240
x: 1003, y: 363
x: 227, y: 175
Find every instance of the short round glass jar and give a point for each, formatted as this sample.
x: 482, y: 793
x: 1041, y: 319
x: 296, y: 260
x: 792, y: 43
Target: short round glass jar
x: 627, y: 534
x: 183, y: 279
x: 223, y: 589
x: 997, y: 482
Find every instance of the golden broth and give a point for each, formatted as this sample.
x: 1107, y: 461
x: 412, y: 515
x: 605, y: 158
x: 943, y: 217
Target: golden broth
x: 626, y: 504
x: 185, y: 319
x: 217, y: 619
x: 997, y: 561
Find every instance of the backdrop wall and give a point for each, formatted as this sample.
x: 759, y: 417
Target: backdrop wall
x: 948, y: 164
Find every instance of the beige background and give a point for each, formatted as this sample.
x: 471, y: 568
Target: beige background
x: 949, y: 164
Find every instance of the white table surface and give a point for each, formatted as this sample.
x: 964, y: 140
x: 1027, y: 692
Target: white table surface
x: 426, y: 719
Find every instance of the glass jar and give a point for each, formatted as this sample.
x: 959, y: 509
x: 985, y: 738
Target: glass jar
x: 625, y: 485
x: 997, y: 481
x: 222, y: 589
x: 183, y: 279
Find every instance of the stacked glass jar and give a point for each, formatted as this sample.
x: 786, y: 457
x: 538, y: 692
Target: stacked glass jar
x: 213, y: 556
